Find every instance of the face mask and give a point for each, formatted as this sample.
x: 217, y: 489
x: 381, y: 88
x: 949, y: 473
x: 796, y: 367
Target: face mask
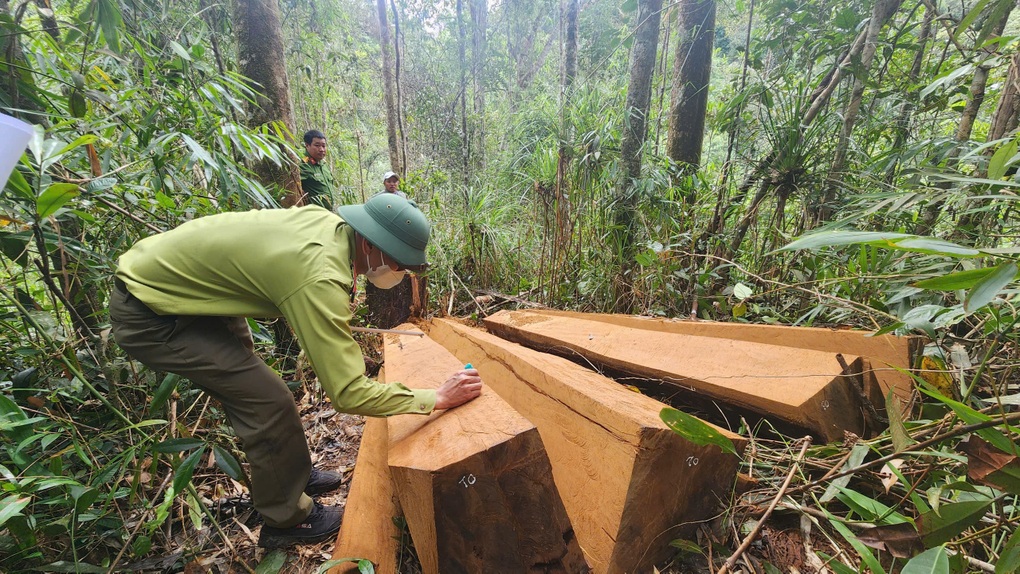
x: 384, y: 276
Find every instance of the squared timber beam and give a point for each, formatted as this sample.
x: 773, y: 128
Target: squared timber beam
x: 629, y: 483
x: 368, y: 531
x: 475, y: 482
x: 805, y: 388
x: 889, y: 355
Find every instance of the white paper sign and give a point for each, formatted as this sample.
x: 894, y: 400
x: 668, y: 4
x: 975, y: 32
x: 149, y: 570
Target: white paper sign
x: 14, y: 136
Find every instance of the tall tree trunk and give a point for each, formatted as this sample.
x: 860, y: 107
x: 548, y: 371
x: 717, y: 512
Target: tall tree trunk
x: 1004, y: 120
x: 692, y: 68
x: 388, y: 89
x: 260, y: 58
x: 931, y: 212
x: 479, y: 17
x: 902, y: 126
x: 397, y: 69
x: 1007, y: 111
x: 48, y: 19
x: 465, y: 137
x: 562, y: 232
x: 635, y: 117
x: 880, y: 15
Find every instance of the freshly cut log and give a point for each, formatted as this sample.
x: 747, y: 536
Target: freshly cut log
x: 889, y: 355
x: 475, y: 482
x: 368, y: 530
x: 630, y: 484
x: 805, y: 388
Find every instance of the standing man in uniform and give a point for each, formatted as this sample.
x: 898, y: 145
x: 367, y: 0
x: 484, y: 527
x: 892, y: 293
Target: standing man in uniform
x: 178, y: 302
x: 391, y: 183
x: 317, y: 181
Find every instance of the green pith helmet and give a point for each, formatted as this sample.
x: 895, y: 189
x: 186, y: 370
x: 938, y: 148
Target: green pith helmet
x: 394, y: 225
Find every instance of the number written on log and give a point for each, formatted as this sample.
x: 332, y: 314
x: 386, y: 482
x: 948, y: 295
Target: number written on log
x: 467, y: 480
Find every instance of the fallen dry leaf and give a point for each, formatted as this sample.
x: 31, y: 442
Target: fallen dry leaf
x: 990, y: 466
x: 887, y: 475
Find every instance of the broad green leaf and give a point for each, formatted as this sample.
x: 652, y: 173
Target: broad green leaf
x: 836, y: 238
x: 12, y: 506
x: 183, y: 474
x: 931, y: 246
x: 180, y: 51
x: 969, y: 19
x: 163, y: 391
x: 942, y: 525
x: 178, y: 444
x: 857, y: 454
x: 100, y: 184
x: 870, y: 509
x: 741, y: 291
x: 933, y: 561
x: 54, y: 198
x: 867, y: 557
x: 955, y: 281
x: 226, y: 461
x: 1009, y: 557
x: 949, y: 78
x: 197, y: 149
x: 987, y: 288
x: 83, y: 497
x: 20, y: 185
x: 272, y: 563
x: 837, y: 566
x: 364, y: 566
x: 971, y: 416
x: 695, y: 430
x: 109, y: 18
x: 77, y: 104
x: 997, y: 164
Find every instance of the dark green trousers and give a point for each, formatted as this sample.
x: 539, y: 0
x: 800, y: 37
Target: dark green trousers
x: 257, y: 401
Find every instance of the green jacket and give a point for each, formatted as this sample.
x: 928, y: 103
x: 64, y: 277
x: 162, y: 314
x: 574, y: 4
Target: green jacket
x: 294, y: 263
x: 317, y: 182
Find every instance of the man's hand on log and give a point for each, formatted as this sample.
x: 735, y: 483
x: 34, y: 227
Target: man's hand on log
x: 458, y: 389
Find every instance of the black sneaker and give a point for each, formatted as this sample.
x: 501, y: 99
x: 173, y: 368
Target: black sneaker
x: 322, y: 523
x: 323, y: 481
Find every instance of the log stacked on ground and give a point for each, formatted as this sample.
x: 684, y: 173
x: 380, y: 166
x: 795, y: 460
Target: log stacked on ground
x: 475, y: 482
x: 368, y: 530
x: 629, y: 483
x: 802, y: 387
x: 889, y: 355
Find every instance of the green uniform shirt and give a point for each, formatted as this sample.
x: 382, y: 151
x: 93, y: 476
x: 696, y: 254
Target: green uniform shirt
x: 317, y: 182
x: 294, y: 263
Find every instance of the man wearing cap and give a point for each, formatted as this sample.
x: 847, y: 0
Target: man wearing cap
x: 391, y: 181
x: 316, y: 180
x: 175, y: 306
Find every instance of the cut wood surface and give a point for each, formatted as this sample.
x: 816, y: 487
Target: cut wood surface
x: 629, y: 483
x: 368, y: 530
x: 475, y: 482
x: 802, y: 387
x: 885, y: 353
